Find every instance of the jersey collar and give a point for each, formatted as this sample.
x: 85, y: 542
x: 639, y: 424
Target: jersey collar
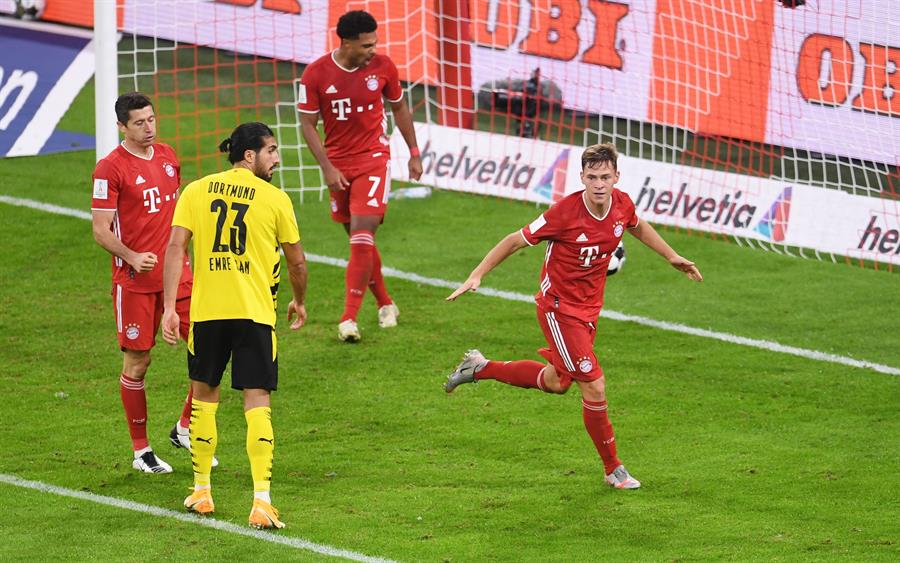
x: 588, y: 207
x: 149, y: 157
x: 339, y: 65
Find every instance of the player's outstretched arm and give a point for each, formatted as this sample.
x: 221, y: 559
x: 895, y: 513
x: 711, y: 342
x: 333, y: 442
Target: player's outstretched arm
x: 645, y: 233
x: 172, y: 267
x: 297, y: 272
x: 403, y: 119
x: 503, y: 250
x: 334, y: 178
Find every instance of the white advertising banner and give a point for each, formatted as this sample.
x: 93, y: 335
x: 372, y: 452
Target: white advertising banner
x: 777, y: 212
x: 835, y: 80
x: 487, y: 163
x: 251, y: 29
x: 767, y: 210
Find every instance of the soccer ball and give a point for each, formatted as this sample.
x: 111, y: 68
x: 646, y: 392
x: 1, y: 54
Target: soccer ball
x: 617, y: 260
x: 29, y: 9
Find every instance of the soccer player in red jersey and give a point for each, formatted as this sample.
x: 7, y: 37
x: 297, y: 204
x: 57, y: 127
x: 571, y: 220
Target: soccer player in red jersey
x: 582, y: 230
x: 135, y: 189
x: 346, y: 88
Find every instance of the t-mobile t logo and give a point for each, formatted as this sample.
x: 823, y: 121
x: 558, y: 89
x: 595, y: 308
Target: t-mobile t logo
x: 152, y: 199
x: 341, y: 107
x: 588, y: 253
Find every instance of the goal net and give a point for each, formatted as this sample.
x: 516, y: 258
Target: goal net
x: 770, y: 123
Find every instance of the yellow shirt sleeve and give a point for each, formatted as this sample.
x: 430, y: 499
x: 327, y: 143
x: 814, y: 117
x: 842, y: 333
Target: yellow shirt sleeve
x: 183, y: 216
x: 286, y: 228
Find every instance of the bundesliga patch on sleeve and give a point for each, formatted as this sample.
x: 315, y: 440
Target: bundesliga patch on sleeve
x: 537, y: 224
x: 101, y: 188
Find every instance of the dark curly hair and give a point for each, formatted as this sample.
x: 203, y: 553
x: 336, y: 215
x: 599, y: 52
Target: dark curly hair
x: 351, y: 24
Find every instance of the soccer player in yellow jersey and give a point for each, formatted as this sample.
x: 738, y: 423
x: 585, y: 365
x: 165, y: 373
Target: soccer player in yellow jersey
x: 237, y: 220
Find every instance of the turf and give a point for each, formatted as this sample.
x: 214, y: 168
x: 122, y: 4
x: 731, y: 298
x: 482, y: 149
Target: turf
x: 745, y: 454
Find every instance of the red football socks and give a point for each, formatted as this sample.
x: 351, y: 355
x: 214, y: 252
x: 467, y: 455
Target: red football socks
x: 135, y: 402
x: 376, y: 281
x: 185, y: 421
x: 596, y: 422
x: 359, y: 270
x: 521, y: 373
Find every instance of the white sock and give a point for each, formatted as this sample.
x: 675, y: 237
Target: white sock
x: 201, y: 487
x: 181, y: 429
x: 263, y: 496
x: 139, y: 453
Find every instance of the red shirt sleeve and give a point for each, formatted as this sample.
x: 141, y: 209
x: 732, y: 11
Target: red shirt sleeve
x: 308, y: 91
x: 548, y: 225
x: 630, y: 214
x: 106, y: 187
x: 393, y: 91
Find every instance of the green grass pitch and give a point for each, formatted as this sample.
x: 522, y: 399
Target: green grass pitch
x: 745, y: 454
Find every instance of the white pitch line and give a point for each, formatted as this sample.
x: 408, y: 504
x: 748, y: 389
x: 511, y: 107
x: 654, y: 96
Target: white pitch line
x: 767, y: 345
x: 271, y: 537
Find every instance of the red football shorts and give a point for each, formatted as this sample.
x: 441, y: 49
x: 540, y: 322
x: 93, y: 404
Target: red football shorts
x: 138, y: 316
x: 370, y: 184
x: 571, y: 346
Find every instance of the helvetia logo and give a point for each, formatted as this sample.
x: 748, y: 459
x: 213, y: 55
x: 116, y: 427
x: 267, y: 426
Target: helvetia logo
x: 774, y: 224
x: 552, y: 185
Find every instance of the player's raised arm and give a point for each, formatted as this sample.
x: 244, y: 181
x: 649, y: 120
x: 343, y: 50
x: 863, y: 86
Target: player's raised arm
x: 645, y: 233
x: 503, y: 250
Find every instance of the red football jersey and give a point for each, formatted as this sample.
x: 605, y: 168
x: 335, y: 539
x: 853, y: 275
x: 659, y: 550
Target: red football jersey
x: 350, y: 103
x: 142, y: 192
x: 579, y: 247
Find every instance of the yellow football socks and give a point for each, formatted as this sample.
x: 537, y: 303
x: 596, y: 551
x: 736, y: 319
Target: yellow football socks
x: 204, y: 437
x: 260, y: 446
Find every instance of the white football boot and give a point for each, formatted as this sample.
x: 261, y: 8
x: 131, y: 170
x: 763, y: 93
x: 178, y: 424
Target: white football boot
x: 348, y: 331
x: 387, y: 316
x: 621, y: 479
x: 473, y: 362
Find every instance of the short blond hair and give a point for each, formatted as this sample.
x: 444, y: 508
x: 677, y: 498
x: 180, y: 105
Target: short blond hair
x: 599, y: 154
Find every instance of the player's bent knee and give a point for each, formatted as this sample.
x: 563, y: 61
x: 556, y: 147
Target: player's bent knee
x: 594, y: 390
x: 552, y: 382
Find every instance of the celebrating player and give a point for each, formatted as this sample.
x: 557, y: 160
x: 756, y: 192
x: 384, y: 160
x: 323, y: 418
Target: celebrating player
x: 237, y: 220
x: 135, y: 189
x: 346, y: 88
x: 582, y: 231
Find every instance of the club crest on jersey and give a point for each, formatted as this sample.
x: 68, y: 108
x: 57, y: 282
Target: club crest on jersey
x: 170, y: 170
x: 585, y: 365
x: 618, y: 229
x: 372, y: 82
x: 132, y: 331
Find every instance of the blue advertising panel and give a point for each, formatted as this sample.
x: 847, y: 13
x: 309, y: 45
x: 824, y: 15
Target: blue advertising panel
x: 41, y: 72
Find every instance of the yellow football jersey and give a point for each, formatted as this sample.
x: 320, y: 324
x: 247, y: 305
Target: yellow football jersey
x: 237, y: 221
